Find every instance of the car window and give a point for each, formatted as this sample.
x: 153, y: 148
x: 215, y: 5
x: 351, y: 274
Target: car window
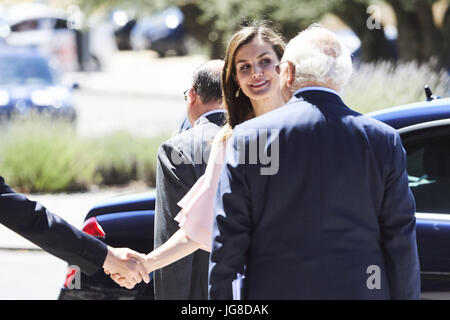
x: 16, y: 70
x: 27, y: 25
x: 428, y: 165
x: 39, y: 24
x: 60, y: 24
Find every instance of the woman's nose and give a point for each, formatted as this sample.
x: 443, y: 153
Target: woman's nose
x: 256, y: 73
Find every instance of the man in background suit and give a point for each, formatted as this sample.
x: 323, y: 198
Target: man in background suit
x: 337, y: 219
x: 181, y: 162
x: 48, y: 231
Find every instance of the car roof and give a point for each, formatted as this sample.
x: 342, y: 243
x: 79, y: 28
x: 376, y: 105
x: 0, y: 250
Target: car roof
x: 410, y: 114
x: 26, y: 11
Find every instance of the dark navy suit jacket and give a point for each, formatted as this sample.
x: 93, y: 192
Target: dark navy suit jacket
x: 336, y: 221
x: 50, y: 232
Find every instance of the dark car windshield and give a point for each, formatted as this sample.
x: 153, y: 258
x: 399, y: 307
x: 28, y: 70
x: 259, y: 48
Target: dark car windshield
x: 25, y: 71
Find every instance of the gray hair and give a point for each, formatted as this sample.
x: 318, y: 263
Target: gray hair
x: 207, y: 81
x: 319, y: 57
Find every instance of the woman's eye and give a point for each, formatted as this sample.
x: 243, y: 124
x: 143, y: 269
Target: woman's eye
x: 266, y: 61
x: 245, y: 66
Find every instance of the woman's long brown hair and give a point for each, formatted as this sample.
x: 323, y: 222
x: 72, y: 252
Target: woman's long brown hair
x: 240, y: 109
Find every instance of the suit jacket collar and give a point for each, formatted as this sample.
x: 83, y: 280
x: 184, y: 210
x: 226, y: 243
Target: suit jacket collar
x: 318, y: 97
x: 218, y: 118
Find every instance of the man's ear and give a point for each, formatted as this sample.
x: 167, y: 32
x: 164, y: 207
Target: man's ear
x: 192, y: 96
x: 291, y: 74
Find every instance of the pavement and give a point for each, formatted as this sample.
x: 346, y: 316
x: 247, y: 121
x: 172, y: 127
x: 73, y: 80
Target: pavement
x: 140, y: 73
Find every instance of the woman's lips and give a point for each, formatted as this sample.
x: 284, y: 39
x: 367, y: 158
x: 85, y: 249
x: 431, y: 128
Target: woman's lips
x: 259, y: 84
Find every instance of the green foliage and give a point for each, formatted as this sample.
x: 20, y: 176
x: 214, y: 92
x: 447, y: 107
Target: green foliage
x: 381, y: 85
x: 121, y: 158
x: 39, y: 155
x: 290, y: 15
x: 419, y: 38
x: 42, y: 155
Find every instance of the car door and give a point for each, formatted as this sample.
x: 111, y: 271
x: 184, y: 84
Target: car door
x: 428, y: 163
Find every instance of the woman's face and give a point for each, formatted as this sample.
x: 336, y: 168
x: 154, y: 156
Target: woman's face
x: 255, y: 69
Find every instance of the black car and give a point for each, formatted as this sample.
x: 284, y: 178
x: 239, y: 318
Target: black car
x: 124, y: 221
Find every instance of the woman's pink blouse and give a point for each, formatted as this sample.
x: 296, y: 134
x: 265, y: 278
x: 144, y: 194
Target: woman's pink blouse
x: 196, y: 215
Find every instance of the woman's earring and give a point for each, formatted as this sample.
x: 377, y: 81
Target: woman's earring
x: 237, y: 92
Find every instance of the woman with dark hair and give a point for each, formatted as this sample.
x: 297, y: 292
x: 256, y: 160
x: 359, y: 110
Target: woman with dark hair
x: 250, y: 86
x: 248, y: 42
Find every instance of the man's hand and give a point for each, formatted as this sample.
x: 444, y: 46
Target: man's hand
x: 129, y: 264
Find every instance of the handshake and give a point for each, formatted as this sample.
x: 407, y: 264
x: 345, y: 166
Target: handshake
x: 126, y: 267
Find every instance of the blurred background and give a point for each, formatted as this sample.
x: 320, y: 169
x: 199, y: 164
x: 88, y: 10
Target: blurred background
x: 90, y: 88
x: 95, y: 86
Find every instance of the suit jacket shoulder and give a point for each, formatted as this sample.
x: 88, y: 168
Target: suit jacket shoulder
x: 190, y: 149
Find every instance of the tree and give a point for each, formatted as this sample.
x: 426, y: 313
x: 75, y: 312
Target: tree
x: 374, y: 44
x: 419, y: 37
x: 211, y: 22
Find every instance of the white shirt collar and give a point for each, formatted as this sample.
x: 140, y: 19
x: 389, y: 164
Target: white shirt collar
x: 317, y: 89
x: 294, y: 98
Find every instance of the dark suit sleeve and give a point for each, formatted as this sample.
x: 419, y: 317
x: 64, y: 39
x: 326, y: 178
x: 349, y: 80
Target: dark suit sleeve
x: 397, y: 220
x: 231, y: 226
x: 48, y: 231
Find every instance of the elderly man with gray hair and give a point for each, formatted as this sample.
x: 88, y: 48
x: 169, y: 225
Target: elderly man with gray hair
x: 337, y: 219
